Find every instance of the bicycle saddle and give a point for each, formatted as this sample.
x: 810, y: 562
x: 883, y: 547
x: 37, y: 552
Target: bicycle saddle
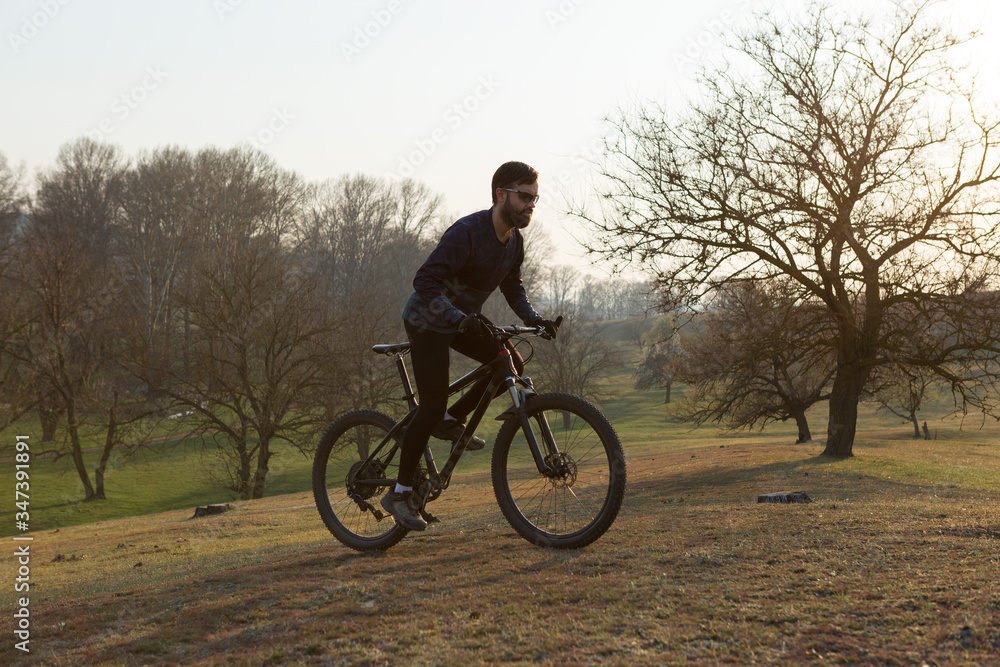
x: 396, y: 348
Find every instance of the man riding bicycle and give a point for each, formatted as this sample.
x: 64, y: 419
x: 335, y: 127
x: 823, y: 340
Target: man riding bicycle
x: 477, y: 254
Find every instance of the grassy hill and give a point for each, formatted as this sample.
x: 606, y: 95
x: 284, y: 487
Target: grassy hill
x: 182, y: 474
x: 896, y: 562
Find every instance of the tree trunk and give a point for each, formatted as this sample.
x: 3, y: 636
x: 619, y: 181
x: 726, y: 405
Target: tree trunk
x: 74, y: 438
x: 109, y: 444
x: 260, y: 477
x: 803, y: 424
x: 50, y: 423
x: 156, y: 375
x: 566, y: 420
x: 187, y: 342
x: 243, y: 474
x: 916, y: 425
x: 670, y: 383
x: 844, y: 399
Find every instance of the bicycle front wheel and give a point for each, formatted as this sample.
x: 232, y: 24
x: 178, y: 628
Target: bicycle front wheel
x: 347, y: 490
x: 580, y: 502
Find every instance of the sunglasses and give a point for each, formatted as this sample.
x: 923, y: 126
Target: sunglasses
x: 525, y: 196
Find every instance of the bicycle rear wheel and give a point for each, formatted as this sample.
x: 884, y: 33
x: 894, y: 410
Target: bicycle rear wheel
x: 577, y: 505
x: 349, y: 507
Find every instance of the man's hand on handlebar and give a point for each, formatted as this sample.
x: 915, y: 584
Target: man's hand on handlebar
x: 551, y: 327
x: 476, y: 325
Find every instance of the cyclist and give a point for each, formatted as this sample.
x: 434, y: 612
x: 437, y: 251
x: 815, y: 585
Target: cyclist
x: 477, y: 254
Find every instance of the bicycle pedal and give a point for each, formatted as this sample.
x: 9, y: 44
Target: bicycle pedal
x: 377, y: 513
x: 428, y: 517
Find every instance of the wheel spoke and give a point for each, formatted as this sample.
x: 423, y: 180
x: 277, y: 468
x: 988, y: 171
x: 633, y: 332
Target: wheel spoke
x: 351, y: 509
x: 580, y: 500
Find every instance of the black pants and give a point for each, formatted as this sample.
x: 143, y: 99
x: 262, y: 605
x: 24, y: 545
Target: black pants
x: 430, y: 356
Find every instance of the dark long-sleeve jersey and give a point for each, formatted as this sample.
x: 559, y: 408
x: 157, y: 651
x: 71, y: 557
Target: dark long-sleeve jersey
x: 467, y: 265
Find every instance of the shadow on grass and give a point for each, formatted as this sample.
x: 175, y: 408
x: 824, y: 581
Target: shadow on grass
x: 226, y: 612
x: 819, y: 476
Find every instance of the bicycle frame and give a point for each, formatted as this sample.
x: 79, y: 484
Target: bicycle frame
x: 502, y: 373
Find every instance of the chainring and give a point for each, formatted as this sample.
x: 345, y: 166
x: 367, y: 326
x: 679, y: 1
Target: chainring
x: 419, y: 478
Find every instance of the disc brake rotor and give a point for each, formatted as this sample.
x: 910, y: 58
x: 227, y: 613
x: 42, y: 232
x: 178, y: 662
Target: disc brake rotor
x: 565, y: 470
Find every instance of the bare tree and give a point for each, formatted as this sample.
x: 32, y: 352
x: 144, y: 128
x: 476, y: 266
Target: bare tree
x: 901, y: 392
x: 363, y: 239
x: 258, y: 333
x: 756, y: 357
x: 14, y: 324
x: 576, y: 360
x: 658, y: 349
x: 847, y: 155
x: 561, y: 287
x: 69, y: 283
x: 157, y: 230
x: 258, y: 355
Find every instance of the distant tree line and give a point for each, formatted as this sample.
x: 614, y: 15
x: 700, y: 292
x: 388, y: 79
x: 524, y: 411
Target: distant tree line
x: 215, y: 291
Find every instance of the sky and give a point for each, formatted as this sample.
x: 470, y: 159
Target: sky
x: 442, y: 91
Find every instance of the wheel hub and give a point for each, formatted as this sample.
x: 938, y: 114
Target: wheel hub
x: 564, y: 470
x: 375, y: 470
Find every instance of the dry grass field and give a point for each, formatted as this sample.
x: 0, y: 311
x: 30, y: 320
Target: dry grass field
x: 896, y: 562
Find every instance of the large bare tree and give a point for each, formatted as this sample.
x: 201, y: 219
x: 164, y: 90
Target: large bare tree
x: 68, y: 282
x: 257, y: 334
x: 258, y: 351
x: 846, y: 153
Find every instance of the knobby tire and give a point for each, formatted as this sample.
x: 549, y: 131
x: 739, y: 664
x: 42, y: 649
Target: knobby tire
x: 343, y: 447
x: 575, y: 509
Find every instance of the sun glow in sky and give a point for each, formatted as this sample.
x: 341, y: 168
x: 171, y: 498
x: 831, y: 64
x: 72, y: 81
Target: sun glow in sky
x: 441, y: 91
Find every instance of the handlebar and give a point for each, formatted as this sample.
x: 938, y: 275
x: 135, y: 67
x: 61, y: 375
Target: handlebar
x: 502, y: 333
x: 517, y: 330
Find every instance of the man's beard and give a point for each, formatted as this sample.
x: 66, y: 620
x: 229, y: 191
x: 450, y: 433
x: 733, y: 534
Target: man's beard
x: 513, y: 218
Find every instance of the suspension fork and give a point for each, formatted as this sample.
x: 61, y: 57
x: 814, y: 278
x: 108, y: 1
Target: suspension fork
x: 520, y: 411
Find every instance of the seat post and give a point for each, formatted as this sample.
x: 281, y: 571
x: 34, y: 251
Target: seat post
x: 411, y: 399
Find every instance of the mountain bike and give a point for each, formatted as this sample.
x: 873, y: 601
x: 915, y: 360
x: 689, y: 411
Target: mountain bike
x: 557, y: 468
